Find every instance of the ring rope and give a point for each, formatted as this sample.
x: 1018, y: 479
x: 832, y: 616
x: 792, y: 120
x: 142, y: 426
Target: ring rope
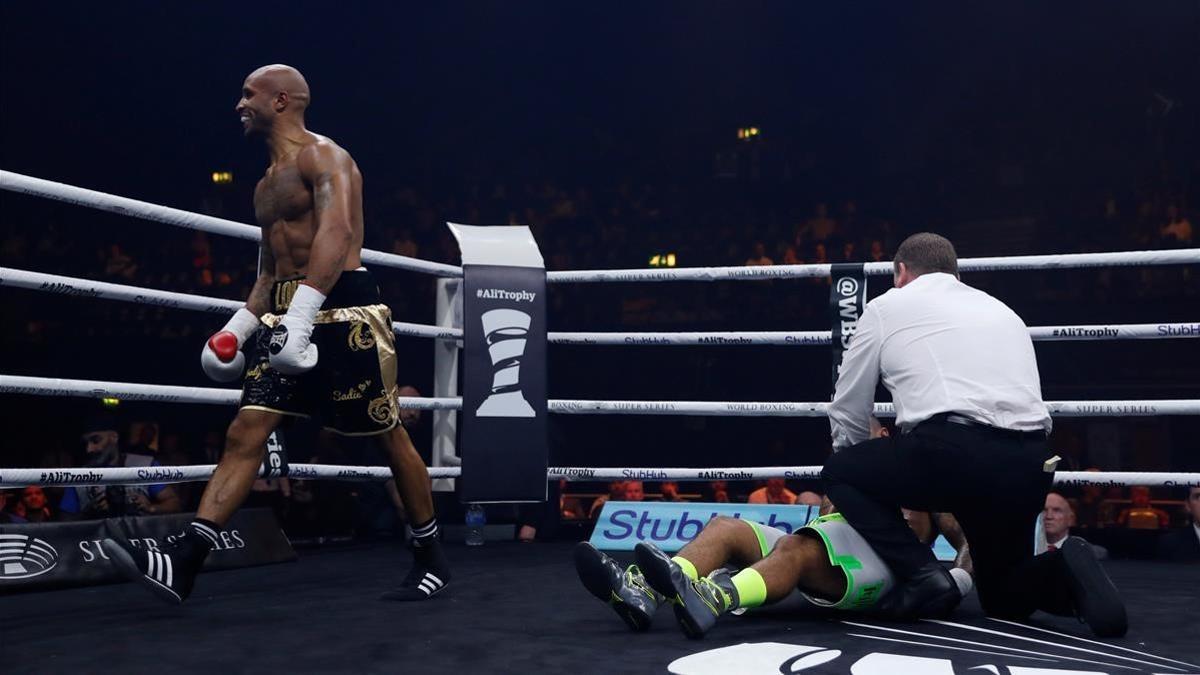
x: 1187, y: 256
x: 71, y: 286
x: 20, y: 183
x: 46, y: 386
x: 10, y: 478
x: 38, y: 187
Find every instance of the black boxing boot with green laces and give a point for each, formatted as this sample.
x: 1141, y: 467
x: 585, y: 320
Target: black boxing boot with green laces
x: 697, y: 604
x: 625, y: 590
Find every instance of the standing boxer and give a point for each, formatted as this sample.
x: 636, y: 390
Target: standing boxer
x: 319, y: 340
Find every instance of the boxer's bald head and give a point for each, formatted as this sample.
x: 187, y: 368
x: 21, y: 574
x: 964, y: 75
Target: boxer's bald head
x: 272, y: 93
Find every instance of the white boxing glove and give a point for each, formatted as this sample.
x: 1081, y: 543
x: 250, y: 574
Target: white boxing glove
x: 222, y: 358
x: 292, y: 350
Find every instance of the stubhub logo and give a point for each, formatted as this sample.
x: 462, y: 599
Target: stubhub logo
x: 671, y: 525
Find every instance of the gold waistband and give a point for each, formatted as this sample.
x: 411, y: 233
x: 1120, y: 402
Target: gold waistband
x: 335, y: 315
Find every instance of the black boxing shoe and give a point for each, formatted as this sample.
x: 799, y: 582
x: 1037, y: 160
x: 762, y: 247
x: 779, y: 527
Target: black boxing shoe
x: 625, y: 590
x: 169, y: 573
x: 697, y: 604
x: 931, y: 593
x: 430, y: 574
x: 1097, y: 601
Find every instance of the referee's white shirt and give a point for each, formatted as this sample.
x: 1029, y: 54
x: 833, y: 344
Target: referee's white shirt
x: 939, y: 346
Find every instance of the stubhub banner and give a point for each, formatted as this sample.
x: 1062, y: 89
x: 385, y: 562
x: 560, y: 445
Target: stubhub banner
x: 671, y: 525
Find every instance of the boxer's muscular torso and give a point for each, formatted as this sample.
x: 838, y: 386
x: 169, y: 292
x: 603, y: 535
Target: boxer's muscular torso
x: 285, y: 203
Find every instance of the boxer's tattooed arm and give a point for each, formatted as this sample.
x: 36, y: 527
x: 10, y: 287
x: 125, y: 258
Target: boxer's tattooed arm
x: 328, y: 170
x: 259, y: 300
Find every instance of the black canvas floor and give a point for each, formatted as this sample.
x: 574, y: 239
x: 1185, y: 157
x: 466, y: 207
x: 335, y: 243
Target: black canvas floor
x: 518, y: 608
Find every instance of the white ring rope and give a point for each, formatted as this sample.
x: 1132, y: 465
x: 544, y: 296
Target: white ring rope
x: 15, y: 182
x: 45, y: 386
x: 156, y: 475
x: 53, y: 283
x: 1186, y: 256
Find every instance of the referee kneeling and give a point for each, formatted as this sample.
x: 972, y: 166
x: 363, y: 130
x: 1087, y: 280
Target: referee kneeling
x: 964, y: 379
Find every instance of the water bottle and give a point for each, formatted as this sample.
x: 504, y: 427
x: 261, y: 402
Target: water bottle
x: 476, y: 518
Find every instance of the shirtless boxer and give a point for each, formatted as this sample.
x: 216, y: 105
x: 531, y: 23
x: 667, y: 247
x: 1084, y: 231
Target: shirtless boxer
x: 318, y: 342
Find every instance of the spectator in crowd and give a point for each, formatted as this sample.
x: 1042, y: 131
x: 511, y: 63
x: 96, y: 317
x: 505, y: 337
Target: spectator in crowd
x: 1058, y: 518
x: 1178, y: 230
x: 877, y: 254
x: 759, y: 258
x: 820, y: 227
x: 145, y: 439
x: 774, y: 492
x: 1093, y: 511
x: 670, y: 492
x: 569, y: 506
x: 98, y: 501
x: 635, y: 491
x: 1141, y: 515
x: 809, y: 498
x: 409, y: 417
x: 790, y: 257
x: 717, y: 492
x: 820, y: 254
x: 1183, y: 545
x: 118, y: 264
x: 32, y: 507
x: 7, y: 498
x: 405, y: 245
x: 616, y: 493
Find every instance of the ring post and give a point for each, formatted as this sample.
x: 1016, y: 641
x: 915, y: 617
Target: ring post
x: 503, y: 445
x: 445, y: 380
x: 847, y: 298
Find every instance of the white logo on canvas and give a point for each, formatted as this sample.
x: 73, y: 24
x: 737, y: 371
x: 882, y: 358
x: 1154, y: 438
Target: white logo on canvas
x: 505, y: 331
x: 22, y: 557
x: 776, y: 657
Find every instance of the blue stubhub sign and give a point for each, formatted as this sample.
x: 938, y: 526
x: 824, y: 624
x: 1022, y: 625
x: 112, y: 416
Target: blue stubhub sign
x: 671, y: 525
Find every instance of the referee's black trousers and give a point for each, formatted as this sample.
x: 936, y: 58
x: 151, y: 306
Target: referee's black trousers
x: 994, y: 483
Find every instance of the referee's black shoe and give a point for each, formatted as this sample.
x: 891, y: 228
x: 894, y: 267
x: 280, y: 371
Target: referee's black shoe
x: 1097, y: 601
x: 931, y: 593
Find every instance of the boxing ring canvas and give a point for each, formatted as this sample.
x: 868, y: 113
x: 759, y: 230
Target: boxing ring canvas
x: 520, y: 609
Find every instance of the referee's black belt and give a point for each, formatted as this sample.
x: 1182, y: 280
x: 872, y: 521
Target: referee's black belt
x: 954, y: 418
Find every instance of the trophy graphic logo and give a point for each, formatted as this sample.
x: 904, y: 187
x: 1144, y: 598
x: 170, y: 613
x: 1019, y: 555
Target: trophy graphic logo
x: 505, y: 331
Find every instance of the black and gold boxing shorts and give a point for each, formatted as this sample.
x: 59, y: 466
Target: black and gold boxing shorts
x: 352, y: 389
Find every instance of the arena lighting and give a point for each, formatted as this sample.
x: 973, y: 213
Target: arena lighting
x: 222, y: 177
x: 748, y: 133
x: 662, y: 260
x: 109, y: 402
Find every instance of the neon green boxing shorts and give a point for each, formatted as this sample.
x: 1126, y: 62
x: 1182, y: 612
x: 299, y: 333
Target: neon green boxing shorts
x: 867, y: 577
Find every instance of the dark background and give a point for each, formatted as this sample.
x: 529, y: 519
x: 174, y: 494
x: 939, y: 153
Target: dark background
x: 610, y: 127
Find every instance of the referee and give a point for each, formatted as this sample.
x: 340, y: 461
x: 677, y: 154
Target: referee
x: 964, y: 379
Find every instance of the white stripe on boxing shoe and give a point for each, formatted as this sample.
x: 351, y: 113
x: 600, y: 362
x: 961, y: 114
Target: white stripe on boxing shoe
x: 207, y: 532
